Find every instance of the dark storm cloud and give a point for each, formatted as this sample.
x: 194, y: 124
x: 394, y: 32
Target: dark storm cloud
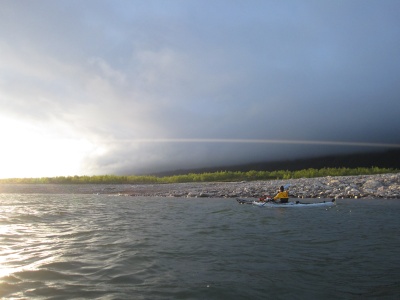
x: 112, y: 72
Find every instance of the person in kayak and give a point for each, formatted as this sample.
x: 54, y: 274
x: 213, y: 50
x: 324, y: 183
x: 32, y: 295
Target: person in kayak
x: 282, y: 196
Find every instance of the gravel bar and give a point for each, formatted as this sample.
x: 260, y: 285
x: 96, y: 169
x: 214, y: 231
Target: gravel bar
x: 362, y: 186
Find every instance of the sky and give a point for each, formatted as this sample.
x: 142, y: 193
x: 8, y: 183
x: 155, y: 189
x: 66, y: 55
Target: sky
x: 131, y: 87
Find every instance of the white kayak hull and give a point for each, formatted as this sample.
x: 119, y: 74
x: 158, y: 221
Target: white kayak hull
x: 289, y: 204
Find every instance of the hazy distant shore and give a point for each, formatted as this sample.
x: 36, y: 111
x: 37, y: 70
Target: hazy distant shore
x: 363, y: 186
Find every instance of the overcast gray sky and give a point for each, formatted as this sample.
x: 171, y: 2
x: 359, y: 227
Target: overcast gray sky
x: 129, y: 87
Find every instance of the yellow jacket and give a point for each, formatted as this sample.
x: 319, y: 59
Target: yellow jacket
x: 281, y: 195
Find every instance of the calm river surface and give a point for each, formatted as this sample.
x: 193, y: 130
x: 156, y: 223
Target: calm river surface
x: 108, y: 247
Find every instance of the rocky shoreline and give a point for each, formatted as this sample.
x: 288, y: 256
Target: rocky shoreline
x: 356, y: 187
x: 363, y: 186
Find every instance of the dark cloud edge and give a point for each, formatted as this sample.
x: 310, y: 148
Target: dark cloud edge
x: 381, y: 159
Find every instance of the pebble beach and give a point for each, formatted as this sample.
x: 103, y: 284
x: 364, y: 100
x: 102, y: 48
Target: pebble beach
x: 364, y: 186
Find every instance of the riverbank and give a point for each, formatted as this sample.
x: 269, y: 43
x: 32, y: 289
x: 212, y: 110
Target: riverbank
x: 363, y: 186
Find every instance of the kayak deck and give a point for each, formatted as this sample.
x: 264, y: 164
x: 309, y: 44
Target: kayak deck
x: 289, y: 204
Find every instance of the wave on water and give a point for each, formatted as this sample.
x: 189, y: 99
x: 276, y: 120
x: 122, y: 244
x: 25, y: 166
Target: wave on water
x: 95, y: 247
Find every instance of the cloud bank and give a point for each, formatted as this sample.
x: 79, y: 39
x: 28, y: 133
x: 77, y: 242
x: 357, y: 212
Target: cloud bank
x: 109, y: 75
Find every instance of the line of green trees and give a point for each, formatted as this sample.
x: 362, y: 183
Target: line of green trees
x: 220, y: 176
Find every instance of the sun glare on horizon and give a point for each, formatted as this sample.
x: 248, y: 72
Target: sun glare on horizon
x: 27, y: 151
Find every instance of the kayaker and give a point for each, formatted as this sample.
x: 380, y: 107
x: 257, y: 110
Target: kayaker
x: 282, y: 196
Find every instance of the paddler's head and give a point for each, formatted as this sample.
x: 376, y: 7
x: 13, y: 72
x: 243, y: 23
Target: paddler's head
x: 282, y: 188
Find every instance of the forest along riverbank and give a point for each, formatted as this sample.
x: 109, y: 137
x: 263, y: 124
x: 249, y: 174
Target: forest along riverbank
x: 363, y: 186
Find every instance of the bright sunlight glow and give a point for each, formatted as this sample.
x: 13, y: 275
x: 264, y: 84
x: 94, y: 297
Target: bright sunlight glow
x: 29, y: 151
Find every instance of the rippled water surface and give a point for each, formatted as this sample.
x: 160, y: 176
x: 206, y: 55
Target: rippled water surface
x: 103, y: 247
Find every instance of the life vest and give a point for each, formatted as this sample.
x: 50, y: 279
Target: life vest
x: 281, y: 195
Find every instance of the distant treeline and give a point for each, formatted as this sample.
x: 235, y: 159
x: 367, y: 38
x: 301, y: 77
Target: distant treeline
x: 380, y: 159
x: 219, y: 176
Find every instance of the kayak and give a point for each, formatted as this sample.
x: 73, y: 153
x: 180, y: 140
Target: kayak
x: 289, y: 204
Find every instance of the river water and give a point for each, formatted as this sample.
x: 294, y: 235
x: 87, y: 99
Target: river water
x: 107, y: 247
